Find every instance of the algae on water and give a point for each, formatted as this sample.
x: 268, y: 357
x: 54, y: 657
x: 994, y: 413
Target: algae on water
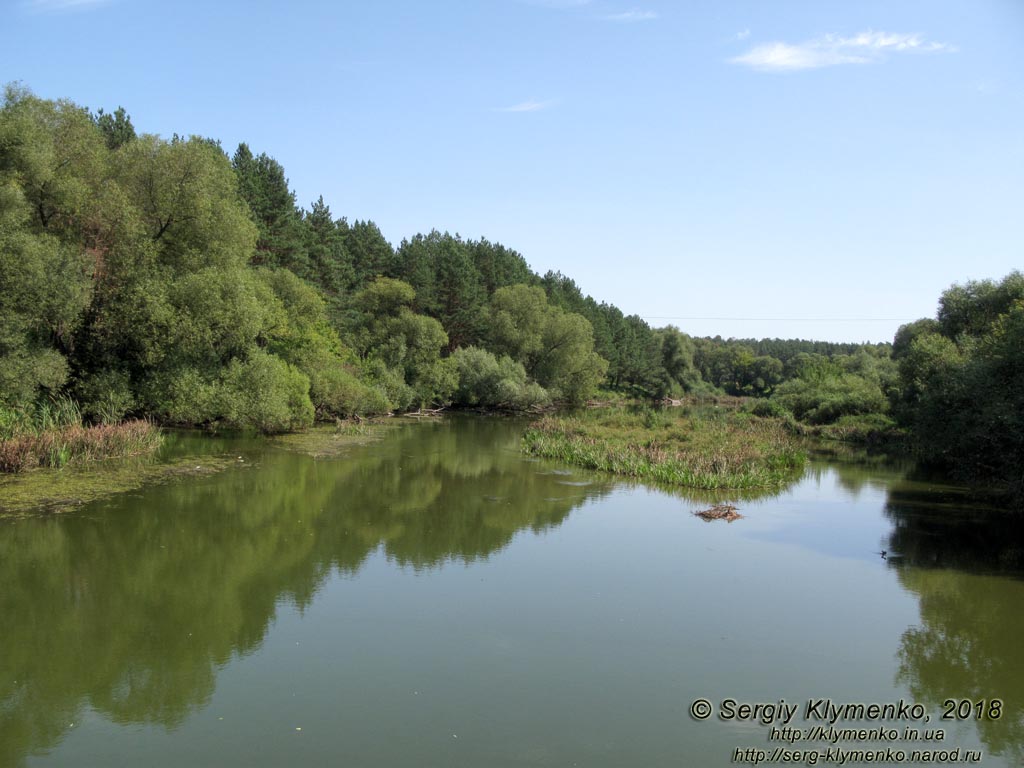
x: 53, y: 490
x: 328, y: 441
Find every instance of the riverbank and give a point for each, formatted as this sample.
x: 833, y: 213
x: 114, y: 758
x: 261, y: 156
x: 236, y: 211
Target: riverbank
x: 697, y: 448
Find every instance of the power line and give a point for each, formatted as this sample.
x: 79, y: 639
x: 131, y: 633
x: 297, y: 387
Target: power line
x: 793, y: 319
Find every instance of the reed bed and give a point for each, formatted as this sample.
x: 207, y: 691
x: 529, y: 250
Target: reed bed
x: 696, y: 448
x: 52, y: 435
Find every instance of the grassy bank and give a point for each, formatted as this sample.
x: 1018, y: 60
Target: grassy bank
x: 697, y: 448
x: 52, y: 435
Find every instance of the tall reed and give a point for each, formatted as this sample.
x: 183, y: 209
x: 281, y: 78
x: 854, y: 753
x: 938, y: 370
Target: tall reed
x: 51, y: 434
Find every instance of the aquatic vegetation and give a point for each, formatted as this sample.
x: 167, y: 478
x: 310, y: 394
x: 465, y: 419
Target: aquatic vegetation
x: 706, y: 448
x: 326, y: 441
x: 49, y: 491
x: 50, y: 433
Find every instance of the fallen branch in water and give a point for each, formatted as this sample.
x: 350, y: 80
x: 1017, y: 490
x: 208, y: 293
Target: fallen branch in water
x: 725, y: 512
x: 424, y: 412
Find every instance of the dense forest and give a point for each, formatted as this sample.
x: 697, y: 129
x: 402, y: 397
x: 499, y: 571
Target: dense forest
x: 172, y: 280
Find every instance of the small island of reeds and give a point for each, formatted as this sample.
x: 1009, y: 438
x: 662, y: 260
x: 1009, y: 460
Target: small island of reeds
x: 697, y: 447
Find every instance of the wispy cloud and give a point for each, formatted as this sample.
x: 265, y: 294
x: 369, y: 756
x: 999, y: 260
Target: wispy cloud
x: 832, y: 50
x: 52, y: 6
x: 743, y: 34
x: 558, y: 3
x: 526, y: 106
x: 628, y: 16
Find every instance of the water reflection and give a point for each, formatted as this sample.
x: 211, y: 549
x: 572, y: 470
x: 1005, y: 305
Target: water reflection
x: 964, y: 560
x: 131, y: 607
x: 940, y: 526
x: 967, y: 646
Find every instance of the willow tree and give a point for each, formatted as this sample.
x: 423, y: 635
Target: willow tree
x: 554, y: 346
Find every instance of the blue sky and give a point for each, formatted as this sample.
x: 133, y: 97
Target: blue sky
x: 813, y: 169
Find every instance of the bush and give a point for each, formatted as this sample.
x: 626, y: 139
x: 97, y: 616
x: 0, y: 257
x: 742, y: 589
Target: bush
x: 391, y: 383
x: 826, y: 400
x: 767, y: 409
x: 262, y: 392
x: 488, y: 381
x: 335, y: 390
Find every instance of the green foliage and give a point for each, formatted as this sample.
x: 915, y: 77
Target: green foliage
x: 116, y: 128
x: 824, y: 400
x: 973, y: 308
x: 737, y: 370
x: 385, y: 296
x: 329, y: 262
x: 907, y: 333
x: 873, y: 429
x: 443, y: 270
x: 40, y: 144
x: 768, y: 408
x: 52, y: 413
x: 217, y: 316
x: 337, y: 389
x: 262, y: 184
x: 403, y: 342
x: 498, y: 266
x: 487, y: 381
x: 371, y: 254
x: 961, y: 383
x: 262, y: 392
x: 677, y: 352
x: 633, y: 351
x: 299, y: 333
x: 106, y: 397
x: 554, y: 346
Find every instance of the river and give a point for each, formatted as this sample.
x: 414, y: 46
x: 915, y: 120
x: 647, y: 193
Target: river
x: 435, y: 598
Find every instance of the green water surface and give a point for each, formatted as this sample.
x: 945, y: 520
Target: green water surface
x: 435, y: 598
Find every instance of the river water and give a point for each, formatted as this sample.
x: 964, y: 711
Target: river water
x: 435, y: 598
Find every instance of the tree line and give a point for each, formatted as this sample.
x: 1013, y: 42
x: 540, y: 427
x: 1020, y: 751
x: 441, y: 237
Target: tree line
x: 165, y: 278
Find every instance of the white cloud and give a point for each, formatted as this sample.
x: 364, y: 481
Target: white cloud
x: 634, y: 15
x: 832, y: 50
x: 743, y: 34
x: 526, y: 106
x: 45, y: 6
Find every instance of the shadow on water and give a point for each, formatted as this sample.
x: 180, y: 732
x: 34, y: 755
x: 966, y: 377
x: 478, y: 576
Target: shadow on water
x: 130, y: 606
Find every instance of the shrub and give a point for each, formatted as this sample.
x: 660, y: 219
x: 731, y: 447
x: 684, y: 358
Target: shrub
x: 485, y: 380
x: 262, y: 392
x: 767, y: 409
x: 829, y: 398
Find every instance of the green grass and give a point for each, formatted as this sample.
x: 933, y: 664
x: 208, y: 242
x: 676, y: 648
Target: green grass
x: 704, y: 448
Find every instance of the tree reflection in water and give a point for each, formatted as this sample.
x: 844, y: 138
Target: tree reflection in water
x: 131, y: 607
x: 964, y: 562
